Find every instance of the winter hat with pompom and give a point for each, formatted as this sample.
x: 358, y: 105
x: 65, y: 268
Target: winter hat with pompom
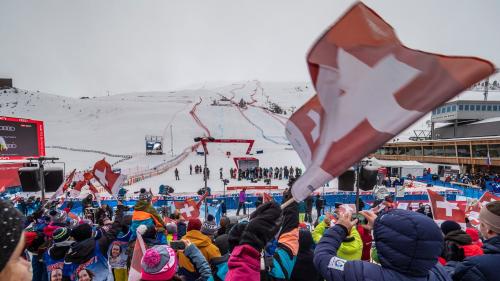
x: 158, y: 263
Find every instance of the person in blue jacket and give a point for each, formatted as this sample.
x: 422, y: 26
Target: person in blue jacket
x: 484, y: 267
x: 407, y: 244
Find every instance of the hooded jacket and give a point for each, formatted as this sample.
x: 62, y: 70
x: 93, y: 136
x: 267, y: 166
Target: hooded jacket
x: 458, y: 246
x: 483, y: 267
x: 144, y: 214
x: 206, y: 247
x: 304, y: 267
x: 408, y: 245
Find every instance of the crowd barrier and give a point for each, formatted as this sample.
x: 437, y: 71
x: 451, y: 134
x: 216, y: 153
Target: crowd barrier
x: 232, y: 200
x: 466, y: 190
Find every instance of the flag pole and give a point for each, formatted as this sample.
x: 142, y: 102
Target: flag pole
x: 287, y: 203
x: 358, y: 176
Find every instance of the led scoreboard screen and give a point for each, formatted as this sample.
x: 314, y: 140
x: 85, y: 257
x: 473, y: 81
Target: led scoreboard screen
x: 21, y: 138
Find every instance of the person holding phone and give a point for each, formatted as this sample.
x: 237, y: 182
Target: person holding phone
x: 408, y: 245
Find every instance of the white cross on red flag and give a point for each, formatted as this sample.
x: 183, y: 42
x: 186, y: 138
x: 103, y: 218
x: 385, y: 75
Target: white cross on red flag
x: 266, y: 198
x: 110, y: 180
x: 370, y: 87
x: 135, y: 264
x: 188, y: 208
x: 443, y: 210
x: 472, y: 211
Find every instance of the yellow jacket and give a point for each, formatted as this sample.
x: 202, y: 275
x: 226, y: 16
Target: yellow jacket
x: 351, y: 250
x: 203, y: 243
x: 318, y: 231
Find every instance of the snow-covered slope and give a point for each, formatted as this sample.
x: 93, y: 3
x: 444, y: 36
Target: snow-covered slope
x: 117, y: 125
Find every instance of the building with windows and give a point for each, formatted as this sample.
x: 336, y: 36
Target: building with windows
x: 470, y: 154
x: 465, y: 119
x: 465, y: 132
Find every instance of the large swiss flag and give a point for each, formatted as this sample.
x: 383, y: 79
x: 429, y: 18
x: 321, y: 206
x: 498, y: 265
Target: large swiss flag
x: 369, y: 87
x: 104, y: 174
x: 443, y: 210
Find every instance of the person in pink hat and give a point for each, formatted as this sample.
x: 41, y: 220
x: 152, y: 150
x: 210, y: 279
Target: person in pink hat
x: 159, y: 263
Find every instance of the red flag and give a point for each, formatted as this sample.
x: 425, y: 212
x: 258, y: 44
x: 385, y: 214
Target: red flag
x: 88, y: 176
x: 370, y: 87
x: 78, y: 188
x: 472, y: 211
x: 93, y: 189
x: 487, y: 198
x: 188, y: 208
x: 135, y: 264
x: 443, y: 210
x: 64, y: 186
x: 267, y: 198
x: 104, y: 174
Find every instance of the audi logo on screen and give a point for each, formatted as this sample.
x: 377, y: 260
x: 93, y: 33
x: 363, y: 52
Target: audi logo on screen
x: 7, y: 128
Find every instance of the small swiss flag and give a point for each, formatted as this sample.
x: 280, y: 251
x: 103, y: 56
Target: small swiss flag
x: 135, y: 264
x: 104, y: 174
x: 443, y: 210
x: 472, y: 211
x: 267, y: 198
x: 188, y: 209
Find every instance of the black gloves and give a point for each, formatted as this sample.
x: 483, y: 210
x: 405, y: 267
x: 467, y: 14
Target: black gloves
x: 264, y: 224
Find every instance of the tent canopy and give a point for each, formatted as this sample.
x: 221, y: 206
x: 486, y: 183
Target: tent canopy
x: 395, y: 163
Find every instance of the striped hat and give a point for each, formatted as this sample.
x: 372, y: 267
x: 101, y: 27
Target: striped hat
x: 61, y: 234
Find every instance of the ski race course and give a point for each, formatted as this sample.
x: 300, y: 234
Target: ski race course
x: 83, y: 131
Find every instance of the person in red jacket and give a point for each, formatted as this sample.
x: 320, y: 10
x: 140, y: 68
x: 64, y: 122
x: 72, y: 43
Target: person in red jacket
x: 474, y: 234
x: 457, y: 243
x: 367, y: 239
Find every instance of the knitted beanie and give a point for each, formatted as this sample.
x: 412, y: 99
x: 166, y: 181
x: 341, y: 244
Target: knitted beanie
x: 209, y: 228
x: 449, y: 226
x: 158, y: 263
x: 171, y: 228
x: 11, y: 229
x: 194, y: 224
x: 61, y: 234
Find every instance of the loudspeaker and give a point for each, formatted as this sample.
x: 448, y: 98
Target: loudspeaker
x: 346, y: 181
x: 29, y: 179
x: 54, y: 177
x: 28, y: 176
x: 368, y: 178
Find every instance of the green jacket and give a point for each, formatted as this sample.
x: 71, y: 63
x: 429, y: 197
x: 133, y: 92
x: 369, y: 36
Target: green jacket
x: 318, y: 231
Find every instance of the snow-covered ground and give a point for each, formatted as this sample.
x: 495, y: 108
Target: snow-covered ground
x: 118, y: 124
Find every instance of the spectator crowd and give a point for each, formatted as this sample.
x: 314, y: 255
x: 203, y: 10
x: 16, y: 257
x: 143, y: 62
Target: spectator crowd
x: 276, y: 242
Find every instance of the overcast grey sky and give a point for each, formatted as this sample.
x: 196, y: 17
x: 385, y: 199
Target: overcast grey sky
x: 89, y: 47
